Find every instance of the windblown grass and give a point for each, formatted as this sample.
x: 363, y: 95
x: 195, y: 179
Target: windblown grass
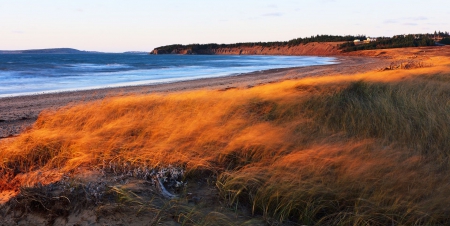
x: 370, y: 149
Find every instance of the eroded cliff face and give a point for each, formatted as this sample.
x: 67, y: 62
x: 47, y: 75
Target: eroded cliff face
x: 313, y: 48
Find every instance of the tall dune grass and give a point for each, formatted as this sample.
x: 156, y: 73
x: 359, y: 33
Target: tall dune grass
x: 336, y: 150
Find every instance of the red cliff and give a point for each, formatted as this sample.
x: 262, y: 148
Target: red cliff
x: 312, y: 48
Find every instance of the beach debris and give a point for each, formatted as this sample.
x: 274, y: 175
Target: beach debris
x: 407, y: 64
x: 165, y: 179
x: 169, y: 177
x: 76, y: 188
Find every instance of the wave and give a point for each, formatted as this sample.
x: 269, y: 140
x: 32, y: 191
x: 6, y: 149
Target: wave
x: 85, y: 66
x: 39, y: 75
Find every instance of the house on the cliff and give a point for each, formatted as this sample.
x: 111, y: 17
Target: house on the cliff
x: 368, y: 40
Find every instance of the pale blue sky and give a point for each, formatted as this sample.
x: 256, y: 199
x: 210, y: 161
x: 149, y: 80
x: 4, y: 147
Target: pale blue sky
x: 141, y: 25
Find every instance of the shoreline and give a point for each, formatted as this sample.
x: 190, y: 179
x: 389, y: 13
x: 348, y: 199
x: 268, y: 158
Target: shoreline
x: 19, y: 112
x: 117, y: 71
x: 333, y: 61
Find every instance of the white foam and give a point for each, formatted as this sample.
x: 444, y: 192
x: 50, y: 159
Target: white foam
x: 85, y: 76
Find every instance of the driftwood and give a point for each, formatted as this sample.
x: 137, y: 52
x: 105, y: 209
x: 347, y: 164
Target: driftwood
x: 162, y: 189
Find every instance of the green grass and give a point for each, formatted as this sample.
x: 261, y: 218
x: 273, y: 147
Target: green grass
x: 399, y: 120
x: 294, y: 153
x: 414, y: 113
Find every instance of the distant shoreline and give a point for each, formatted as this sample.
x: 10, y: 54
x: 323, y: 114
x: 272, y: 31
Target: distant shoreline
x: 63, y: 51
x: 19, y: 112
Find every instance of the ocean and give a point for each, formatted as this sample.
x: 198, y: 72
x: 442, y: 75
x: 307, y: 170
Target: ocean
x: 26, y: 74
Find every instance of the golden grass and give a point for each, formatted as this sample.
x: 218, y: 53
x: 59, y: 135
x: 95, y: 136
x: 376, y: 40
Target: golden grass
x: 366, y: 149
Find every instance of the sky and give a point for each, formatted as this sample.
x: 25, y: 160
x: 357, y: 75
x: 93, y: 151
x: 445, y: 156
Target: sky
x: 141, y: 25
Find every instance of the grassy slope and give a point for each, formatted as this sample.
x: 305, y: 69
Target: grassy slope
x: 365, y: 149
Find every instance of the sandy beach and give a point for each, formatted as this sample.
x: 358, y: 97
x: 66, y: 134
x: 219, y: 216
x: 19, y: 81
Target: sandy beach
x: 20, y: 112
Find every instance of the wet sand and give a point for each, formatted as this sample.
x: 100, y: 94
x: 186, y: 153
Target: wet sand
x: 19, y: 113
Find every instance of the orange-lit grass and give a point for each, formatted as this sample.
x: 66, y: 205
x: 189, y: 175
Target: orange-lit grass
x: 364, y: 149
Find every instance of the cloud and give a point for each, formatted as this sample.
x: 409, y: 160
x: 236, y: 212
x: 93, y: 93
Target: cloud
x: 437, y: 24
x: 17, y: 32
x: 273, y: 14
x: 410, y: 24
x: 79, y: 10
x: 273, y: 6
x: 406, y: 20
x: 417, y: 18
x: 390, y: 21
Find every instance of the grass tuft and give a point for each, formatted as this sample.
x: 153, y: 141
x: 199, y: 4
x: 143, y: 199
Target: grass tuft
x: 330, y: 151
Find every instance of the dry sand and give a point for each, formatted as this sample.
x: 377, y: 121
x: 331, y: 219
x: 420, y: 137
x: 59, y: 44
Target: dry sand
x: 19, y: 113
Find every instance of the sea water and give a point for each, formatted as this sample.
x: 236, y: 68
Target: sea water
x: 25, y: 74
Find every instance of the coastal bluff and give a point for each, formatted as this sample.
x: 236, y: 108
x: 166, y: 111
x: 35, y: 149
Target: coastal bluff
x: 311, y: 48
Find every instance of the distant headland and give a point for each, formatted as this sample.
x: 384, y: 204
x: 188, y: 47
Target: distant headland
x: 320, y: 45
x: 47, y: 51
x: 61, y: 51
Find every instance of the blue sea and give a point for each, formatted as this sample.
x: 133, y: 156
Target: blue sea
x: 25, y: 74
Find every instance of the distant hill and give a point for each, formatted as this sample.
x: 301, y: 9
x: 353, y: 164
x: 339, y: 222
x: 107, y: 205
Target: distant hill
x: 47, y: 51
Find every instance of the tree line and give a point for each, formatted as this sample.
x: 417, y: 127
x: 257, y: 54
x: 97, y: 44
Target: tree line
x: 398, y: 41
x: 293, y: 42
x: 387, y: 43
